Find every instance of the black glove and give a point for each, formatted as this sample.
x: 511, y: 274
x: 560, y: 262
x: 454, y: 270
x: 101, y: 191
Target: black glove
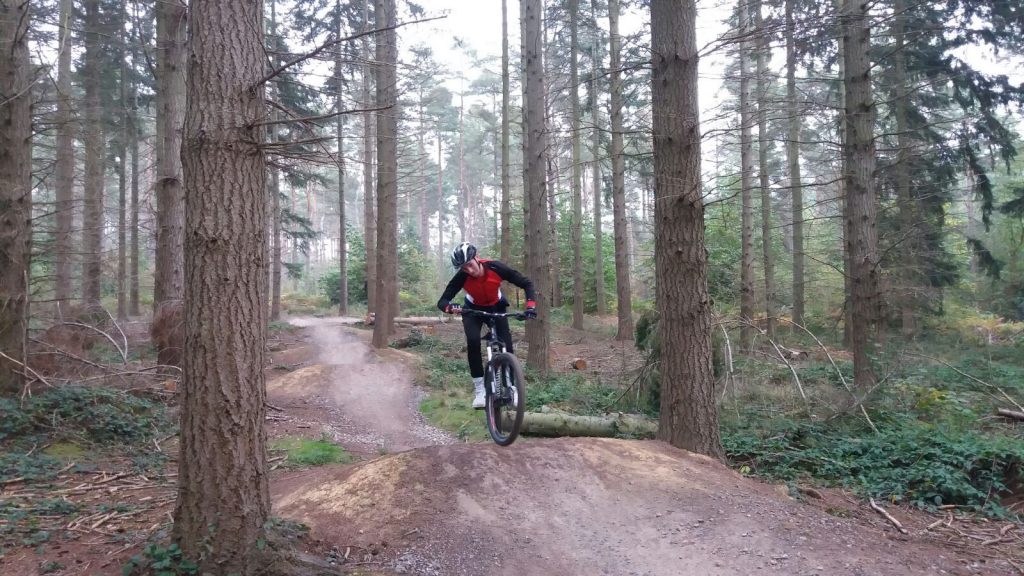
x: 531, y: 310
x: 453, y: 309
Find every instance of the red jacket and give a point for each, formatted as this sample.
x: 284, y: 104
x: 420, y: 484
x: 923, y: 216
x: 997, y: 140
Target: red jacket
x: 485, y: 291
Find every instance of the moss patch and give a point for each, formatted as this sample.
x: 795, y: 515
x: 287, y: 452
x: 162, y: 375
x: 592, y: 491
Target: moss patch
x: 306, y: 452
x: 64, y: 450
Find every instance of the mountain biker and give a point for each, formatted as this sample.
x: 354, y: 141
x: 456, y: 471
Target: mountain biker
x: 481, y: 279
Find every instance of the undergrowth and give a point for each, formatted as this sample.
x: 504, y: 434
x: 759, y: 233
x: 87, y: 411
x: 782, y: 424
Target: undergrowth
x: 68, y: 429
x: 907, y: 460
x: 86, y: 414
x: 937, y: 442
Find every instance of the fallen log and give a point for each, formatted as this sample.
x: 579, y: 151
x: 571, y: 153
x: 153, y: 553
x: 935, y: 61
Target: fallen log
x: 556, y: 423
x: 1012, y: 414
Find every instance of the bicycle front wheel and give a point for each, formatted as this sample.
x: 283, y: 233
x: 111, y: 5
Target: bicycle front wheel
x: 506, y: 400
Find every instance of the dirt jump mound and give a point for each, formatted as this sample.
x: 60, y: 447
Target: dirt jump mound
x: 582, y: 506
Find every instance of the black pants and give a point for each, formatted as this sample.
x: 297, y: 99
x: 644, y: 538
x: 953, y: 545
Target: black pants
x: 472, y: 323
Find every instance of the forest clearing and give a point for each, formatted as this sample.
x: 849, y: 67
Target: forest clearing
x: 750, y: 272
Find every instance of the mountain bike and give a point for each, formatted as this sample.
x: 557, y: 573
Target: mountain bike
x: 503, y: 382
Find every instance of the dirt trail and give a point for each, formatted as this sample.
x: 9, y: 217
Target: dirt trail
x: 565, y: 506
x: 369, y: 405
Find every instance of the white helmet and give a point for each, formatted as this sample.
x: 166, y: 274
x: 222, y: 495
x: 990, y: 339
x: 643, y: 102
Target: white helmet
x: 462, y: 254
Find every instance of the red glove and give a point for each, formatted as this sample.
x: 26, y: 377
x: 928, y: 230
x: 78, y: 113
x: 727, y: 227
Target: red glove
x: 453, y: 309
x: 531, y: 309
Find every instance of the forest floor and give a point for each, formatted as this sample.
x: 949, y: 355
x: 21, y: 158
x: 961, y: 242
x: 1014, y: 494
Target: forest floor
x: 551, y: 506
x: 417, y: 500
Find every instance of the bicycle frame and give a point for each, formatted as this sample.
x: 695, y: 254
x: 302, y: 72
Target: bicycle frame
x: 503, y: 381
x: 494, y: 343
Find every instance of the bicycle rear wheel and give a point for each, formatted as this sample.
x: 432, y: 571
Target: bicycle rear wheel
x: 506, y: 400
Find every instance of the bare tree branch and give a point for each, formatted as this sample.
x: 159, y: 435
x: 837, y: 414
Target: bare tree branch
x: 335, y: 42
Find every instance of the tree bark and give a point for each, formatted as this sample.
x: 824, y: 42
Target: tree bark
x: 275, y: 242
x: 340, y: 128
x: 440, y: 206
x: 553, y: 256
x: 538, y: 331
x: 506, y: 193
x: 746, y: 184
x: 762, y: 162
x: 223, y: 494
x: 602, y: 306
x: 387, y: 174
x: 133, y: 227
x: 95, y: 155
x: 577, y: 176
x: 369, y: 197
x: 689, y: 414
x: 843, y: 191
x: 424, y: 180
x: 793, y: 161
x: 122, y: 184
x: 909, y: 250
x: 65, y: 160
x: 622, y: 285
x: 859, y: 152
x: 15, y: 190
x: 463, y: 195
x: 168, y: 285
x: 133, y: 150
x: 275, y: 183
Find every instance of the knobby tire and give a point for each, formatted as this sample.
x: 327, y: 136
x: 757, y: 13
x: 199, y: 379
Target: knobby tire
x: 505, y: 433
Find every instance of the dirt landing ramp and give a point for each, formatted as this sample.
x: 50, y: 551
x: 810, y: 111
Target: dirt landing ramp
x: 583, y: 506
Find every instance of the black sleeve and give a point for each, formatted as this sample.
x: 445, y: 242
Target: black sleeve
x: 451, y: 290
x: 512, y: 275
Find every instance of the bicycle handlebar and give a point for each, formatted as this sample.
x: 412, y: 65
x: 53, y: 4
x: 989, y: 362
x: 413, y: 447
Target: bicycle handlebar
x: 516, y: 315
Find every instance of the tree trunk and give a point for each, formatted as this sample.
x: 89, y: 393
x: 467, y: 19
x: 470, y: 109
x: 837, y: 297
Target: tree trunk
x: 95, y: 154
x: 602, y: 305
x: 275, y: 241
x: 553, y: 257
x: 689, y: 415
x: 762, y: 162
x: 423, y: 192
x: 506, y: 193
x: 170, y: 196
x: 746, y: 184
x: 122, y: 185
x: 625, y: 304
x: 339, y: 62
x: 133, y: 228
x: 15, y: 191
x: 274, y: 190
x: 844, y: 169
x: 369, y: 199
x: 909, y: 250
x: 793, y: 160
x: 223, y: 494
x: 859, y: 152
x: 538, y: 332
x: 440, y: 205
x: 65, y: 159
x: 577, y: 176
x: 387, y: 174
x: 133, y: 150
